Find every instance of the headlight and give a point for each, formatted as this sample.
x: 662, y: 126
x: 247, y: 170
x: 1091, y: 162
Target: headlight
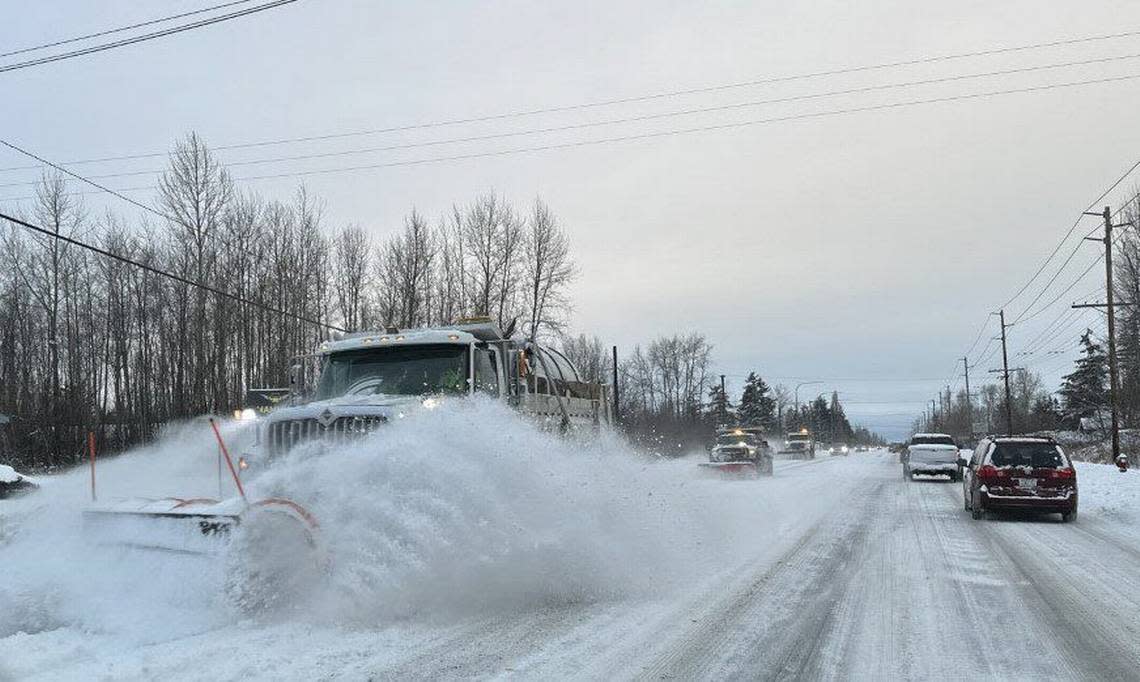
x: 242, y: 464
x: 431, y: 403
x: 248, y: 414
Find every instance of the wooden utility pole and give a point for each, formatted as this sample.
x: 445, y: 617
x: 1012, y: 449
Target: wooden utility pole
x: 723, y: 402
x: 617, y: 404
x: 969, y: 405
x: 1005, y: 372
x: 1113, y: 382
x: 1110, y: 311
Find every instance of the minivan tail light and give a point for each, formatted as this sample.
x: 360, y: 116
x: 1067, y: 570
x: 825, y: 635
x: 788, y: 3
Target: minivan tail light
x: 990, y: 472
x: 1067, y: 473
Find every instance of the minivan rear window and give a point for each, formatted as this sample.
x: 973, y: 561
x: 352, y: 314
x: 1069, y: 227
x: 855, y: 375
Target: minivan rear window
x: 1037, y: 455
x: 932, y: 440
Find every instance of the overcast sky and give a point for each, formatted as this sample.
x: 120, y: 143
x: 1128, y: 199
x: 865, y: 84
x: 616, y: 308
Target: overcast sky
x: 862, y: 249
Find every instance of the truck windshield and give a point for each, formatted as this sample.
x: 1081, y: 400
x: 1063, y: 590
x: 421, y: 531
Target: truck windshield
x: 731, y: 439
x: 395, y: 370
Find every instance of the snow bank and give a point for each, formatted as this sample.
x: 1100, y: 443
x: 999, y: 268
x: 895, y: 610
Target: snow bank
x: 8, y: 474
x: 1108, y: 493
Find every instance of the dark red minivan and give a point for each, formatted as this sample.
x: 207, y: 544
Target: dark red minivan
x: 1020, y: 473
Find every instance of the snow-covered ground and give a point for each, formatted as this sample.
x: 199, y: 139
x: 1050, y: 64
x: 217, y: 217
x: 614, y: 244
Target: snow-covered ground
x: 466, y: 544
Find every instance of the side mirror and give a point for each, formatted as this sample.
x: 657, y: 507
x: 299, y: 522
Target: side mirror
x: 963, y: 462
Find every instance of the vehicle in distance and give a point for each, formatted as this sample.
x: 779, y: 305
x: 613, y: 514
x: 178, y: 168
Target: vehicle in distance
x: 799, y: 444
x: 838, y: 449
x: 1019, y: 474
x: 931, y: 454
x: 739, y: 452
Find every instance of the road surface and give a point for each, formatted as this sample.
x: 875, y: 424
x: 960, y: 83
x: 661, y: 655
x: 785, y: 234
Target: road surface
x: 842, y: 570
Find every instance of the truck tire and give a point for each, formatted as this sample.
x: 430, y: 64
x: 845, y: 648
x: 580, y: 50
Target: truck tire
x: 977, y: 513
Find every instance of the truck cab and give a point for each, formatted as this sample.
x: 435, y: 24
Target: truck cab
x: 368, y: 379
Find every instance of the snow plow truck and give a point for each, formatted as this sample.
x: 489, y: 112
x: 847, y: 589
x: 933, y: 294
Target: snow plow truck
x: 365, y: 380
x: 740, y: 452
x: 799, y: 444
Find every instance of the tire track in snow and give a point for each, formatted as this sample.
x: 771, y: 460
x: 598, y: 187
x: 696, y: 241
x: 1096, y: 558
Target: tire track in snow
x: 794, y: 603
x: 1061, y: 597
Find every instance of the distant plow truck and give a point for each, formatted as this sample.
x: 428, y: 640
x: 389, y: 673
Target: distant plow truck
x: 799, y: 445
x: 366, y: 380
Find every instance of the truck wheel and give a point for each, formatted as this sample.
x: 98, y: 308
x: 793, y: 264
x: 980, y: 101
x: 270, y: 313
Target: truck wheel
x: 1069, y: 517
x: 977, y: 513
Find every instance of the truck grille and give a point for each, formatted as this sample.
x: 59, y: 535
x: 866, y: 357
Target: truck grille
x: 733, y: 454
x: 285, y: 434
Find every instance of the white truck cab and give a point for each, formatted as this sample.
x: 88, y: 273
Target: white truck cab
x: 370, y: 378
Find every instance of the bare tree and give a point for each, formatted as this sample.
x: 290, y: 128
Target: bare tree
x: 549, y: 269
x: 588, y: 355
x: 352, y: 275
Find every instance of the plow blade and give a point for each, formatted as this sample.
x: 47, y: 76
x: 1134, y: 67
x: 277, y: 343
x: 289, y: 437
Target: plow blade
x: 271, y: 549
x: 733, y: 469
x: 189, y: 526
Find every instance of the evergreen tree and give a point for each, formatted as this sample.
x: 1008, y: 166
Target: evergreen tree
x: 719, y: 407
x: 1084, y: 390
x: 757, y: 407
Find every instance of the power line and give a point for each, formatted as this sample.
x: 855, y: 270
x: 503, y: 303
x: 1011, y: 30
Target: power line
x: 977, y: 338
x: 164, y: 273
x: 1061, y: 293
x: 584, y: 125
x: 96, y: 185
x: 1061, y: 269
x: 705, y: 89
x: 1023, y: 318
x: 1069, y: 233
x: 678, y: 131
x: 151, y: 22
x: 144, y: 37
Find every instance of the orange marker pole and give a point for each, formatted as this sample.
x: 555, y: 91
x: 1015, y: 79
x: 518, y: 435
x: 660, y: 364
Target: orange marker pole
x: 229, y: 462
x: 91, y: 452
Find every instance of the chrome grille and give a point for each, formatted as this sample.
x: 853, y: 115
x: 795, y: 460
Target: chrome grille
x: 284, y: 434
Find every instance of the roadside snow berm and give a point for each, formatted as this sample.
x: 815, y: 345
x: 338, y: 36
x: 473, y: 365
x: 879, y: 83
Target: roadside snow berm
x: 14, y: 483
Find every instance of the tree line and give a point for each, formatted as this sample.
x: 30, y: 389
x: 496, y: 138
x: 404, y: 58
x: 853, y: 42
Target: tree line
x: 90, y: 343
x: 671, y: 400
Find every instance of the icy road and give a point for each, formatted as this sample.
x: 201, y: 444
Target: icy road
x: 833, y: 569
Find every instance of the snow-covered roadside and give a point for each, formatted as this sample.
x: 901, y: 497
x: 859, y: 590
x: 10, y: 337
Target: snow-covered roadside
x: 1107, y: 493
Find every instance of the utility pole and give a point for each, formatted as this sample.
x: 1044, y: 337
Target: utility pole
x: 1005, y: 373
x: 617, y: 413
x: 1113, y: 385
x: 1110, y: 306
x: 723, y: 402
x: 969, y: 405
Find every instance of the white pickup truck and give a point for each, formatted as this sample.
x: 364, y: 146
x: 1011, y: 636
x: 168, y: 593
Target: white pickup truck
x: 931, y: 453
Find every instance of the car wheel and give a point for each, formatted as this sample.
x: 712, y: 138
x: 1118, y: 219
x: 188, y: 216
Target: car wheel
x: 1069, y: 517
x: 966, y: 502
x: 977, y: 513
